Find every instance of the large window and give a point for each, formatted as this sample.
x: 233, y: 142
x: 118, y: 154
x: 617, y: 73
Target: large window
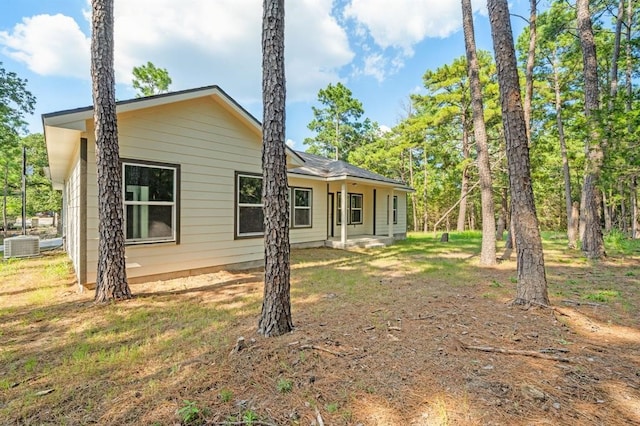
x: 301, y: 208
x: 354, y: 209
x: 249, y: 216
x: 150, y: 201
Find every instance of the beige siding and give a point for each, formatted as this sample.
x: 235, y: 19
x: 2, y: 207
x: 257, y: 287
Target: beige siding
x: 71, y: 213
x: 318, y: 230
x: 401, y: 226
x: 366, y: 228
x: 210, y: 145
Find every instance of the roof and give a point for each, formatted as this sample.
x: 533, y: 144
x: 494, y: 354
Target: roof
x: 317, y: 166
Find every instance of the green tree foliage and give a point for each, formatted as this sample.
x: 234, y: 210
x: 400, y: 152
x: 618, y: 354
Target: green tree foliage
x: 338, y: 125
x: 438, y: 135
x: 558, y: 58
x: 558, y: 50
x: 15, y: 102
x: 41, y: 197
x: 149, y: 80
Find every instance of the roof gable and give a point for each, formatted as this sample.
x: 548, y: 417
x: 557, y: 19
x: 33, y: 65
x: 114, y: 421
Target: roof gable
x: 63, y: 129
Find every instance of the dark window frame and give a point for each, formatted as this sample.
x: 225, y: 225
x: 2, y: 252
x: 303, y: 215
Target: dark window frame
x: 175, y: 239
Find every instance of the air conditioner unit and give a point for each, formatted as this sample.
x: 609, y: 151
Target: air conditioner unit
x: 21, y: 246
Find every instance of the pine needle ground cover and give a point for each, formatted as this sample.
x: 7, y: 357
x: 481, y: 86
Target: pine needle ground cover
x: 415, y: 333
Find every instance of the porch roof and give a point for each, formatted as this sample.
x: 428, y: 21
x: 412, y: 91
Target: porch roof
x: 336, y: 170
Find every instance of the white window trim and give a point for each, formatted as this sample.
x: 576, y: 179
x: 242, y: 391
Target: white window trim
x: 173, y: 204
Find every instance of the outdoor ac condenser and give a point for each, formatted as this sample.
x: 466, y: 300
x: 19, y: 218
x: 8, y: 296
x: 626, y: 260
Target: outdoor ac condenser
x: 21, y: 246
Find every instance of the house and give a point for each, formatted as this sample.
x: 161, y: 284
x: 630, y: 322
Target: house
x: 191, y: 163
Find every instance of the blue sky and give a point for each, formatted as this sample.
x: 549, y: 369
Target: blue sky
x: 378, y: 48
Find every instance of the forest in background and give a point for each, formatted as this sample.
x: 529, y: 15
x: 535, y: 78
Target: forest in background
x: 432, y: 146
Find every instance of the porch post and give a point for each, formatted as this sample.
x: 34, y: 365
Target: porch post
x: 343, y: 214
x: 390, y: 212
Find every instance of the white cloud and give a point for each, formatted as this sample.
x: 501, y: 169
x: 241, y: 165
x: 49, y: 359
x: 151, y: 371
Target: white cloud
x: 401, y: 25
x: 200, y: 42
x: 49, y: 45
x: 290, y: 143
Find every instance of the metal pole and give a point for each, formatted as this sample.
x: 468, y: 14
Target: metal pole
x: 24, y: 190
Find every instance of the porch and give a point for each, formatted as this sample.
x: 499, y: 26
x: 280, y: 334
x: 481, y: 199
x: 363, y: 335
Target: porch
x: 359, y: 241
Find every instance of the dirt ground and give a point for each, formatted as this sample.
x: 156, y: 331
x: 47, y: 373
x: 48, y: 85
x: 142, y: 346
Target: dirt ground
x: 400, y: 344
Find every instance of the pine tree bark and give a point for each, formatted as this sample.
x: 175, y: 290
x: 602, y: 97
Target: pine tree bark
x: 275, y: 318
x: 414, y: 202
x: 111, y: 280
x: 425, y: 223
x: 488, y: 250
x: 634, y: 208
x: 532, y: 281
x: 5, y: 223
x: 615, y: 54
x: 592, y: 239
x: 464, y: 184
x: 502, y: 217
x: 571, y: 227
x: 606, y: 211
x: 531, y: 58
x: 628, y: 105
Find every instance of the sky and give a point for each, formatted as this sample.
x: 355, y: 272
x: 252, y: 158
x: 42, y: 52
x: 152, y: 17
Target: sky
x: 379, y: 49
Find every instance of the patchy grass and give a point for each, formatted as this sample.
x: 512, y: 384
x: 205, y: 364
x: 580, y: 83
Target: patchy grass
x: 379, y: 340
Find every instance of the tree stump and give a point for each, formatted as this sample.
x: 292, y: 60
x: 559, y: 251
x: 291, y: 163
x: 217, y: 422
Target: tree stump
x: 444, y: 238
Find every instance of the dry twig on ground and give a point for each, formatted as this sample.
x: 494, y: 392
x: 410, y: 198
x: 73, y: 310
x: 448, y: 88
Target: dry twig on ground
x: 515, y: 352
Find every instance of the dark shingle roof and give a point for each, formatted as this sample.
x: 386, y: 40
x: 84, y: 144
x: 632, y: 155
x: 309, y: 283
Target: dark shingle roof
x: 315, y: 165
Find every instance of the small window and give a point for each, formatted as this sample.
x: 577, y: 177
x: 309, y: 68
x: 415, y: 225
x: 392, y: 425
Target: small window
x: 395, y: 209
x: 355, y: 205
x: 301, y: 211
x: 150, y: 202
x: 249, y: 215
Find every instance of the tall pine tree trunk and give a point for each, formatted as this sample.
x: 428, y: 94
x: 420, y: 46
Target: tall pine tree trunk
x: 571, y: 228
x: 532, y: 281
x: 628, y: 105
x: 425, y: 223
x: 592, y: 240
x: 606, y: 211
x: 414, y: 203
x: 464, y: 184
x: 634, y: 207
x: 531, y: 59
x: 275, y: 318
x: 4, y: 200
x: 502, y: 217
x: 111, y: 281
x: 488, y: 251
